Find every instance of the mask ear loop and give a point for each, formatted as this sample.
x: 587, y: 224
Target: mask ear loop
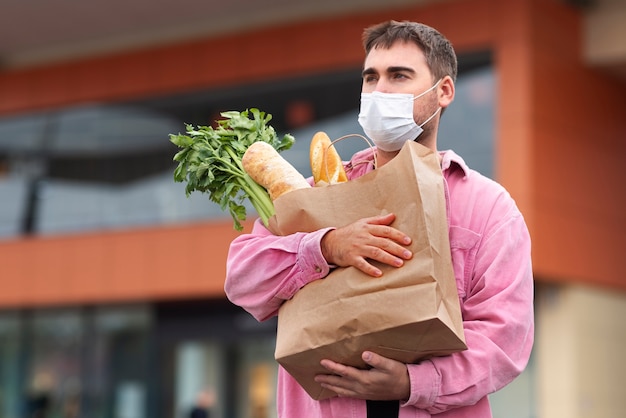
x: 427, y: 91
x: 341, y: 138
x: 431, y: 116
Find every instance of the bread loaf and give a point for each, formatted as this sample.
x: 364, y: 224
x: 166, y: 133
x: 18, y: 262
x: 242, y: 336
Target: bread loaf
x: 268, y: 168
x: 326, y: 165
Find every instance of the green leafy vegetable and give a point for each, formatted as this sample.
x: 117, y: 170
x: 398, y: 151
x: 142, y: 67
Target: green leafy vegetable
x: 210, y: 161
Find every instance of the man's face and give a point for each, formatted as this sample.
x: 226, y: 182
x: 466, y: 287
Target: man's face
x: 401, y: 69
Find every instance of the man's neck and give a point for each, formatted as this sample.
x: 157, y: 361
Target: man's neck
x: 383, y: 157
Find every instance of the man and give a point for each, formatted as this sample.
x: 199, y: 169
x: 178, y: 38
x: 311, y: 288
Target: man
x: 204, y: 402
x: 408, y: 79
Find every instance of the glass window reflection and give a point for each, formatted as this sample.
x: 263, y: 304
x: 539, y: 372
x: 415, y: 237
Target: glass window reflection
x: 119, y: 362
x: 55, y: 368
x: 10, y: 359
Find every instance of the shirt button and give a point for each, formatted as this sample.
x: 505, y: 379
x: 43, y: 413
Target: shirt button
x: 318, y: 269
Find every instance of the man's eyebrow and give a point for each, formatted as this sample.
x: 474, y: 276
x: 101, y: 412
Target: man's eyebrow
x: 368, y: 71
x: 390, y: 70
x: 398, y: 69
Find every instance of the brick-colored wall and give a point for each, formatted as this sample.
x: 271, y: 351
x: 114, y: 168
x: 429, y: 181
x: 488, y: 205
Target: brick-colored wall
x: 578, y: 131
x: 133, y: 265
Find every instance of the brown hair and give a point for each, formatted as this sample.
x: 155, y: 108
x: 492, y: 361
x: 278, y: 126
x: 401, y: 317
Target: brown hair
x: 440, y: 56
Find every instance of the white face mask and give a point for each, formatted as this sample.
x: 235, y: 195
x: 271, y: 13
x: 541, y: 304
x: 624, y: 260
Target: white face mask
x: 387, y: 118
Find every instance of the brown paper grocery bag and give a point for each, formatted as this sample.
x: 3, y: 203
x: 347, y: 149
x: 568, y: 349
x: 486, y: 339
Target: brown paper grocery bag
x: 408, y: 314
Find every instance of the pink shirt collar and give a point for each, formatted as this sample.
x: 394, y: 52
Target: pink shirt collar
x: 363, y: 162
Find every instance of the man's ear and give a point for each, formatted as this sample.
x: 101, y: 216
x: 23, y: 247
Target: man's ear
x: 445, y: 91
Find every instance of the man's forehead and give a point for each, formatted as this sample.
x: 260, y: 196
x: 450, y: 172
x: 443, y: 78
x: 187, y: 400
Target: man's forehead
x: 393, y: 59
x: 400, y: 53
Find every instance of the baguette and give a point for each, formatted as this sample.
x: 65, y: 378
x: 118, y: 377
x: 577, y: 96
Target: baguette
x: 268, y: 168
x: 326, y: 165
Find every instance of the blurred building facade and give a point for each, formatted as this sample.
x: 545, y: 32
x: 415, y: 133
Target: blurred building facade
x: 112, y: 301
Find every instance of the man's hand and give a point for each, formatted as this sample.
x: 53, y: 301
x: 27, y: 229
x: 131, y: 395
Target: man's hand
x: 367, y: 239
x: 386, y: 380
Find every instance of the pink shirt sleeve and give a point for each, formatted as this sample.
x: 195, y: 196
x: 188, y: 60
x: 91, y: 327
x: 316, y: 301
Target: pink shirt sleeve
x: 263, y: 270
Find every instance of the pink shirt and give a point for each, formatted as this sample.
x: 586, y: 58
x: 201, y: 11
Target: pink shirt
x: 491, y: 257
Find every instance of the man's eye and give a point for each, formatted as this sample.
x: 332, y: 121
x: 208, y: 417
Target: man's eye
x: 369, y: 78
x: 399, y: 75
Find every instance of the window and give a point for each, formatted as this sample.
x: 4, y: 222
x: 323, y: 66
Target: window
x: 10, y: 361
x: 55, y: 367
x: 119, y: 363
x: 257, y: 373
x: 109, y: 166
x: 73, y: 362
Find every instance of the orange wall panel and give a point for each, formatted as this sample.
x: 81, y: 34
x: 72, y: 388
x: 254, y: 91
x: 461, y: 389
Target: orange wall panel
x: 142, y: 264
x: 579, y: 123
x: 513, y: 144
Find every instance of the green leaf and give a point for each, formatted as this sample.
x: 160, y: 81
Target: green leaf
x: 181, y: 140
x: 209, y: 160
